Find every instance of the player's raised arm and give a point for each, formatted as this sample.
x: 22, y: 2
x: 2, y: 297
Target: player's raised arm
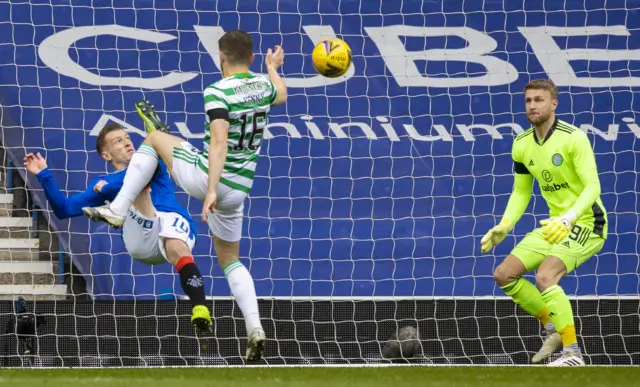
x: 585, y: 164
x: 518, y: 202
x: 273, y: 61
x: 63, y: 207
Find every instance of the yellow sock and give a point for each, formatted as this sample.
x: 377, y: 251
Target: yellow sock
x: 543, y: 316
x: 568, y: 334
x: 562, y: 316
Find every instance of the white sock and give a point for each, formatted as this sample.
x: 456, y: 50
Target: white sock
x: 139, y: 173
x: 242, y: 288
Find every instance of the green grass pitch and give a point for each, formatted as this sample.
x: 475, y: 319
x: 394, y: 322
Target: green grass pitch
x: 327, y: 377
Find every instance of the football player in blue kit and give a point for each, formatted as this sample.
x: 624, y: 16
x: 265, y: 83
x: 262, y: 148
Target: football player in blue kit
x: 157, y: 229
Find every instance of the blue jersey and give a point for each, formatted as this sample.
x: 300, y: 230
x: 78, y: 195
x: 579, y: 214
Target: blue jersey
x: 163, y: 194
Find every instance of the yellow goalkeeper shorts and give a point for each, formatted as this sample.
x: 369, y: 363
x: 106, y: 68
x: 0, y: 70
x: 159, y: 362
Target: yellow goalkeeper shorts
x: 574, y: 250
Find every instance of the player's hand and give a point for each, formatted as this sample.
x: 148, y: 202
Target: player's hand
x: 274, y: 59
x: 555, y: 230
x: 209, y: 204
x: 35, y: 163
x: 98, y: 187
x: 494, y: 236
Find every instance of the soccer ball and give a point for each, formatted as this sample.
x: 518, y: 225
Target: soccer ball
x: 332, y: 57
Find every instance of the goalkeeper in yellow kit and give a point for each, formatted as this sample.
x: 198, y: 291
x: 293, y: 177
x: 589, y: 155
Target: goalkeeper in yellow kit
x: 559, y: 156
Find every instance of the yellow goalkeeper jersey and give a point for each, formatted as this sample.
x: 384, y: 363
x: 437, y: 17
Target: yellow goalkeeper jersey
x: 564, y: 165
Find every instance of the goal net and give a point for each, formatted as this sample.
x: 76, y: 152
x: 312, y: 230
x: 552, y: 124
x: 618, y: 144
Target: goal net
x: 372, y: 191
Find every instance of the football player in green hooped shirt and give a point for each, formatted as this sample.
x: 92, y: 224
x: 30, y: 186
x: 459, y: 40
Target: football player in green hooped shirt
x: 559, y: 156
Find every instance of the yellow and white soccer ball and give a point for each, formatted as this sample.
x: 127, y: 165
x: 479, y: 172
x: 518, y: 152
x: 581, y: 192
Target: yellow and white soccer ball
x: 332, y: 57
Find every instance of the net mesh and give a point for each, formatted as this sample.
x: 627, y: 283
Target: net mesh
x: 372, y: 189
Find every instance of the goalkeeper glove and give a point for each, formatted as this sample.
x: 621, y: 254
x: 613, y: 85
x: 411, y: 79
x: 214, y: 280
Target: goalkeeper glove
x: 496, y: 235
x: 555, y: 230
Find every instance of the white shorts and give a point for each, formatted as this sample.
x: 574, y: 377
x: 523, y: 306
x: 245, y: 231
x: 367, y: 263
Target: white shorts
x: 226, y: 222
x: 144, y: 237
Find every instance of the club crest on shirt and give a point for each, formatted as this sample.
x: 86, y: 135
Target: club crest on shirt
x: 556, y: 159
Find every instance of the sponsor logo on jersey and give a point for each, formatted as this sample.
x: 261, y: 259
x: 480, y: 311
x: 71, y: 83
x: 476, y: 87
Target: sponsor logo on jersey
x: 557, y: 159
x: 546, y: 176
x: 554, y: 187
x: 566, y: 244
x: 145, y: 223
x: 531, y: 164
x: 251, y: 87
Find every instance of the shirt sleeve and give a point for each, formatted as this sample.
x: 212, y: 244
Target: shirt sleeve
x: 215, y: 104
x: 215, y: 98
x: 112, y: 188
x: 522, y: 187
x: 67, y: 207
x: 584, y: 162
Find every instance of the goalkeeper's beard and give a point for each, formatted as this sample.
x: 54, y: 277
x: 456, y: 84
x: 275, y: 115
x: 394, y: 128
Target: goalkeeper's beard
x: 539, y: 120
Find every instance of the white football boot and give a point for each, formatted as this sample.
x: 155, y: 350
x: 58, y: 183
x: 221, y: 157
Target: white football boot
x: 552, y: 343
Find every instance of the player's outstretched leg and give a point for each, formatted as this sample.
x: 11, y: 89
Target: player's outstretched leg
x: 157, y: 145
x: 244, y: 292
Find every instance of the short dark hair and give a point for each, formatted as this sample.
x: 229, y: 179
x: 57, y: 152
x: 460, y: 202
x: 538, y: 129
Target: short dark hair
x: 101, y: 140
x: 543, y: 84
x: 237, y: 47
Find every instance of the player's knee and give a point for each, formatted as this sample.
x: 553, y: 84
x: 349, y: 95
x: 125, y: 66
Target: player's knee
x: 545, y: 279
x: 176, y: 249
x: 550, y: 273
x: 153, y: 137
x: 504, y: 276
x: 226, y: 251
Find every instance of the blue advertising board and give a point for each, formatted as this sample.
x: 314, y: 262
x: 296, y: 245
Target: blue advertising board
x: 379, y: 183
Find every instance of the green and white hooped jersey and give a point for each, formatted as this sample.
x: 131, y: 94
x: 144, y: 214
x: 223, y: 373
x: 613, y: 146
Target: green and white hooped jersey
x: 248, y: 98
